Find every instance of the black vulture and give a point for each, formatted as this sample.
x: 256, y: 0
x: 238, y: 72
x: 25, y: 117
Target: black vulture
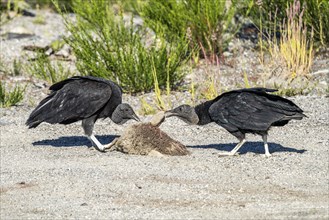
x: 83, y: 98
x: 251, y: 110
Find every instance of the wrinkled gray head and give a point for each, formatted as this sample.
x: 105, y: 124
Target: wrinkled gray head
x: 123, y: 113
x: 185, y: 113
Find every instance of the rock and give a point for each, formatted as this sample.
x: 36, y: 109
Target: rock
x: 19, y: 32
x: 49, y: 51
x: 28, y: 13
x: 248, y: 31
x: 40, y: 85
x: 36, y: 48
x: 64, y: 52
x: 158, y: 119
x: 227, y: 54
x: 147, y: 139
x: 12, y: 14
x: 231, y: 47
x: 4, y: 122
x: 322, y: 71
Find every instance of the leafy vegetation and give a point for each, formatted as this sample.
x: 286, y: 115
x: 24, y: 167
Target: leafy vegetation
x: 202, y: 22
x: 108, y: 42
x: 63, y: 4
x: 293, y: 49
x: 39, y: 19
x: 52, y: 72
x: 11, y: 5
x: 16, y: 70
x: 11, y: 98
x: 296, y: 47
x: 317, y: 17
x: 106, y: 46
x: 271, y: 14
x: 146, y: 108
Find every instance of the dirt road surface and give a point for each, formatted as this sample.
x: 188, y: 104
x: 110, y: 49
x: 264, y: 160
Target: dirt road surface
x: 49, y: 173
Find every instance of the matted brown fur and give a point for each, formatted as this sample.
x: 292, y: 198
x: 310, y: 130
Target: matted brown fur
x: 144, y: 138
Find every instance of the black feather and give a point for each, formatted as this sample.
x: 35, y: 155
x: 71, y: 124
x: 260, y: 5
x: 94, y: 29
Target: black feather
x: 83, y: 98
x: 75, y: 99
x: 249, y: 110
x: 242, y: 111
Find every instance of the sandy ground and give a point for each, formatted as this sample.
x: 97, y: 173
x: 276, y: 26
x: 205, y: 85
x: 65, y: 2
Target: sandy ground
x: 49, y: 173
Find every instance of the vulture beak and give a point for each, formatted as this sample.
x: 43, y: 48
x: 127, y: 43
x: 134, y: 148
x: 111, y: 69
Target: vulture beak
x: 135, y: 117
x: 170, y: 113
x: 190, y: 118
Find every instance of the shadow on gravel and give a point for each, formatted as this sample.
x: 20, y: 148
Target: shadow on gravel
x: 74, y: 141
x: 255, y: 147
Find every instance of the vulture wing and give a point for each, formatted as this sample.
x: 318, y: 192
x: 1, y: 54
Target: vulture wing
x: 252, y: 109
x: 72, y: 100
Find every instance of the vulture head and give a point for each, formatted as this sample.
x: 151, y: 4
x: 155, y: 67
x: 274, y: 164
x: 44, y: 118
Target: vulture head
x: 184, y: 112
x: 123, y: 113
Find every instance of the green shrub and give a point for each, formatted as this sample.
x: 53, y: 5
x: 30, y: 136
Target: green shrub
x: 267, y: 11
x: 63, y: 4
x: 8, y: 99
x: 203, y: 22
x: 292, y: 50
x: 317, y: 16
x: 39, y: 19
x: 16, y: 70
x: 270, y: 14
x: 16, y: 6
x: 106, y: 46
x: 44, y: 69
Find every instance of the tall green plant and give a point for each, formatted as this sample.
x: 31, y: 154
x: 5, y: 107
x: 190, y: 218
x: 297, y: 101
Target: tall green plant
x: 11, y: 98
x: 63, y: 4
x: 44, y: 69
x: 316, y: 16
x: 107, y: 46
x: 203, y: 22
x: 293, y: 49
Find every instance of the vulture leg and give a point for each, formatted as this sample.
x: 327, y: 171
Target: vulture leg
x: 96, y: 143
x: 242, y: 138
x: 111, y: 146
x: 235, y: 149
x: 267, y: 152
x: 88, y: 126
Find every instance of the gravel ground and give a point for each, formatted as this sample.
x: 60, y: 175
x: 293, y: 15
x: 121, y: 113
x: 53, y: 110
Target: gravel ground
x: 49, y: 173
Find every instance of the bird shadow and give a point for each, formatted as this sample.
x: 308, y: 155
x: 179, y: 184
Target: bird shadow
x: 74, y: 141
x: 254, y: 147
